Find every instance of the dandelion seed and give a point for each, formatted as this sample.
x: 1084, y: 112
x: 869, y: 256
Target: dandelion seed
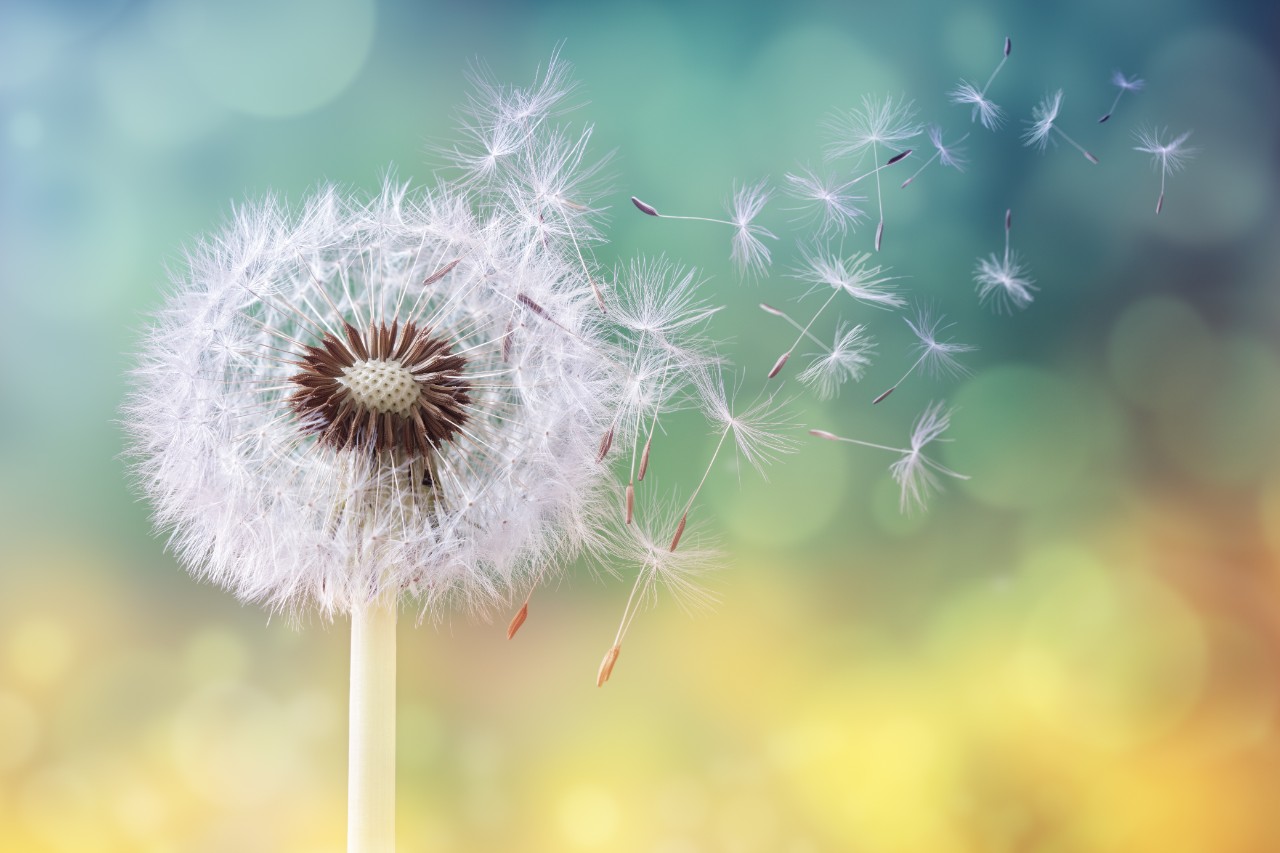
x: 662, y: 566
x: 853, y: 276
x: 915, y: 473
x: 749, y: 253
x: 937, y: 357
x: 1124, y: 84
x: 516, y: 621
x: 984, y: 109
x: 1044, y: 115
x: 837, y: 210
x: 1002, y: 278
x: 845, y: 361
x: 1168, y: 157
x: 879, y: 122
x: 947, y: 155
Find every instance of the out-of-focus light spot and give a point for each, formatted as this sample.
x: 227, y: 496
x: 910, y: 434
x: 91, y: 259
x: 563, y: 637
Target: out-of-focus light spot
x: 1026, y: 437
x: 589, y: 816
x: 747, y: 823
x: 58, y: 805
x: 216, y: 654
x: 420, y: 735
x: 682, y: 805
x: 26, y: 129
x: 270, y: 59
x: 1269, y: 516
x: 1107, y: 657
x: 315, y: 714
x: 19, y: 731
x: 1160, y: 353
x: 233, y: 747
x: 1229, y: 432
x: 139, y: 808
x: 1243, y: 694
x: 148, y: 92
x: 40, y: 650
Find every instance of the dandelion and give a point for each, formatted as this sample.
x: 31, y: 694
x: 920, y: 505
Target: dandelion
x: 407, y: 398
x: 1002, y: 278
x: 936, y: 356
x: 1169, y: 157
x: 853, y: 276
x: 879, y: 122
x: 914, y: 472
x: 984, y: 110
x: 1043, y: 115
x: 947, y: 155
x: 1124, y: 84
x: 749, y: 253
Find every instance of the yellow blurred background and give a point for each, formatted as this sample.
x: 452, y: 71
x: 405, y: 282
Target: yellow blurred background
x: 1076, y: 650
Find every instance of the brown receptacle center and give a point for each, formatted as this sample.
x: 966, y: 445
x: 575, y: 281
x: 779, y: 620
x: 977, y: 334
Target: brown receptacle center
x: 390, y: 388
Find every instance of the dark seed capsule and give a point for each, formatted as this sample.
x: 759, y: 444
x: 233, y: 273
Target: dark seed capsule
x: 644, y: 208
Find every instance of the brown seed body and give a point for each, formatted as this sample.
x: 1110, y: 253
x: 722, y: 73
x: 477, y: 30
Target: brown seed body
x: 606, y: 665
x: 518, y: 620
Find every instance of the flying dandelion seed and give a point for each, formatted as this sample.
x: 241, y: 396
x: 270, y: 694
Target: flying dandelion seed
x: 844, y: 361
x: 1043, y: 118
x: 914, y: 472
x: 936, y: 357
x: 947, y: 155
x: 1168, y: 157
x: 749, y: 253
x: 854, y: 276
x: 878, y: 122
x: 1124, y: 84
x: 984, y: 109
x: 1002, y: 279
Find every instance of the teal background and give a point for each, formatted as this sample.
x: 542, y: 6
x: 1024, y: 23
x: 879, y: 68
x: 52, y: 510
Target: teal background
x: 1075, y: 650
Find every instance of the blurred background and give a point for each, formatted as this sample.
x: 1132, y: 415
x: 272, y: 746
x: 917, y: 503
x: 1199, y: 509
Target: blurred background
x: 1077, y: 649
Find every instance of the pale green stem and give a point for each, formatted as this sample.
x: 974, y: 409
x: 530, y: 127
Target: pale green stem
x: 371, y: 787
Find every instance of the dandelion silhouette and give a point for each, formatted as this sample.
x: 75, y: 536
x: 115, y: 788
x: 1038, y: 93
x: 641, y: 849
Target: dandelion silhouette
x: 984, y: 110
x: 1168, y: 157
x: 1001, y: 278
x: 915, y: 473
x: 1124, y: 84
x: 878, y: 122
x: 936, y: 356
x: 750, y: 255
x: 948, y: 155
x: 1043, y: 118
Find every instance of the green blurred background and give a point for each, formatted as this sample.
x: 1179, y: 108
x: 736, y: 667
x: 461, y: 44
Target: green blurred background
x: 1075, y: 650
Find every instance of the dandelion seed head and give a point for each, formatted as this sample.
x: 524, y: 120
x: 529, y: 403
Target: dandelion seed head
x: 947, y: 155
x: 761, y: 431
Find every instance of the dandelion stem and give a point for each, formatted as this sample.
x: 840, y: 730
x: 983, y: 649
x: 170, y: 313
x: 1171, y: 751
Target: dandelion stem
x: 875, y: 155
x: 371, y: 791
x: 1076, y: 145
x: 803, y: 330
x: 992, y: 78
x: 832, y: 437
x: 698, y: 219
x: 895, y: 385
x: 916, y: 174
